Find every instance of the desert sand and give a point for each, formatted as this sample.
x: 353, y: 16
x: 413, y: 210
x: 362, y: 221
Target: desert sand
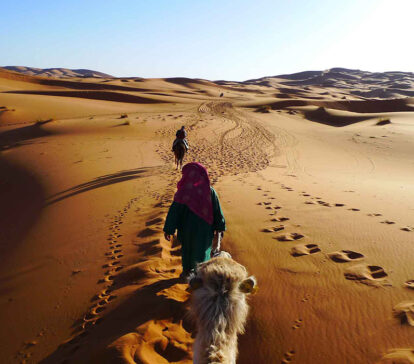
x: 315, y: 174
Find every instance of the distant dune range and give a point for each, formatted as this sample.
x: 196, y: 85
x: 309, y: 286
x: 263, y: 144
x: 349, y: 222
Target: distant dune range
x: 315, y: 175
x: 337, y: 89
x: 56, y: 72
x: 354, y: 82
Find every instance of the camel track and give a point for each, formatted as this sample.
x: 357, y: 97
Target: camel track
x: 226, y: 140
x: 229, y: 142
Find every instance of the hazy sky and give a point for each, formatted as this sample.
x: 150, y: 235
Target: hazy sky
x: 232, y: 40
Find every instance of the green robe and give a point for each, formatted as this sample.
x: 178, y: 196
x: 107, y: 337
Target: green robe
x: 194, y: 233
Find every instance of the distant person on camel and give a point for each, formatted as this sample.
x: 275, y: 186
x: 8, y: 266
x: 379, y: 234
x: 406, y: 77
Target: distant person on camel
x: 181, y: 135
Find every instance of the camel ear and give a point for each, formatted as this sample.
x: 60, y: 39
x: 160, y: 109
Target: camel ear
x: 249, y: 285
x: 195, y: 283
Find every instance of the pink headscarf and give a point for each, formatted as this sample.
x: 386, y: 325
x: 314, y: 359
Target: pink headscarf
x: 193, y: 190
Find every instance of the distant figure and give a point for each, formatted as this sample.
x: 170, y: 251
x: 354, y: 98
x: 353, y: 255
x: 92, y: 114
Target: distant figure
x: 221, y: 95
x: 196, y: 215
x: 181, y: 136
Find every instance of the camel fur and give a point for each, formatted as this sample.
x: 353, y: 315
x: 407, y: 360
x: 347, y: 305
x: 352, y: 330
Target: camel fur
x: 219, y: 308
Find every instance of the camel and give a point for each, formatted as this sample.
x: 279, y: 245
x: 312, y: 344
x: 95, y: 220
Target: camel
x: 219, y: 308
x: 179, y: 152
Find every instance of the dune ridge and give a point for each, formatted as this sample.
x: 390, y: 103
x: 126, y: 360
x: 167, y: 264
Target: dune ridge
x: 57, y: 72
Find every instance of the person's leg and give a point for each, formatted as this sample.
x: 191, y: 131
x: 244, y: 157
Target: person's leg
x: 202, y: 250
x: 174, y: 143
x: 185, y: 257
x: 186, y: 144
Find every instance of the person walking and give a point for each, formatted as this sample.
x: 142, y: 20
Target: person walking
x: 196, y: 215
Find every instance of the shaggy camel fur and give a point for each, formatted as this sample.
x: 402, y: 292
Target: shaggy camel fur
x: 219, y: 308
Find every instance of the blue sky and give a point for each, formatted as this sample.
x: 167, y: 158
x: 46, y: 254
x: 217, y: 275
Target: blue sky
x: 232, y: 40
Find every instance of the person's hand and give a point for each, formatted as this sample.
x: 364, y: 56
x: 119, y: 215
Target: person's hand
x: 167, y: 236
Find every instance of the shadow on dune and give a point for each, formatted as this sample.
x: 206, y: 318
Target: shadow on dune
x: 143, y: 306
x: 187, y: 82
x: 21, y: 136
x: 74, y: 85
x: 21, y: 200
x: 106, y: 180
x: 322, y: 116
x: 95, y: 95
x: 359, y: 106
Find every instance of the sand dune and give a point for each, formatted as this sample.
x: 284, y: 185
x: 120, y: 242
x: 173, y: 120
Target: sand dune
x: 56, y: 72
x: 382, y: 85
x: 316, y: 190
x: 96, y: 95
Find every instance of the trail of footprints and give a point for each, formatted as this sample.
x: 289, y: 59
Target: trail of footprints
x: 367, y: 274
x: 104, y: 297
x: 318, y: 200
x: 371, y: 275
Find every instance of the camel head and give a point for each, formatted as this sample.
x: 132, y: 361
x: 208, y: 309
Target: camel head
x: 223, y: 273
x: 219, y: 288
x: 219, y: 308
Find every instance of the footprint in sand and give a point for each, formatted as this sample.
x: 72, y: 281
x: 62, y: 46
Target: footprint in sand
x: 273, y: 229
x: 298, y: 323
x: 305, y: 299
x: 407, y: 228
x: 91, y: 322
x: 104, y: 293
x: 264, y: 203
x: 280, y: 219
x: 409, y: 284
x: 310, y: 202
x: 107, y: 278
x: 405, y: 312
x: 354, y: 209
x: 339, y: 204
x: 344, y: 256
x: 111, y: 264
x: 96, y: 310
x: 374, y: 214
x: 304, y: 249
x: 288, y: 356
x: 367, y: 274
x: 388, y: 222
x: 326, y: 204
x: 290, y: 237
x: 398, y: 356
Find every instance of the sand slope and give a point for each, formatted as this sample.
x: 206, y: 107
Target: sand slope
x: 317, y: 196
x: 56, y: 72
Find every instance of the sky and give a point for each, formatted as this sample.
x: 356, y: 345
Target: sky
x: 210, y: 39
